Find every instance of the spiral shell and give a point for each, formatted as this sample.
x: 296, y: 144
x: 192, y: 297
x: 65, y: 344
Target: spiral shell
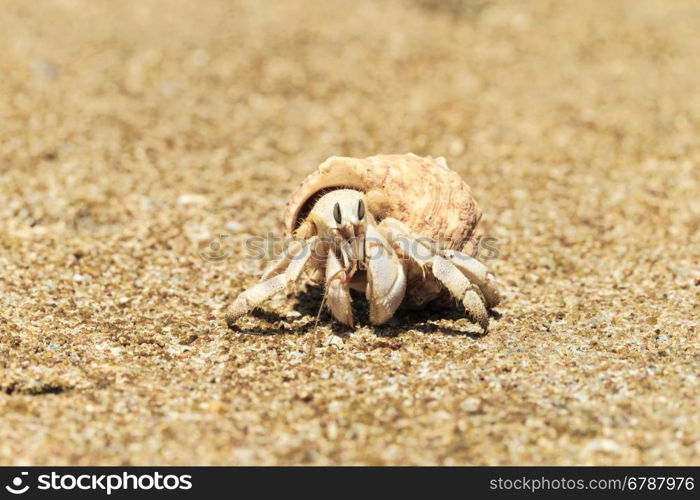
x: 423, y: 193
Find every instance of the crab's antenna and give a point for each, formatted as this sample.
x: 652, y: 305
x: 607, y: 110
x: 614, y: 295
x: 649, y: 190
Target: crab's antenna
x: 320, y: 309
x: 323, y: 300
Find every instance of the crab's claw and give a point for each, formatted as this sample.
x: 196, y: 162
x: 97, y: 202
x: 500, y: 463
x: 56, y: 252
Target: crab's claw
x: 386, y: 279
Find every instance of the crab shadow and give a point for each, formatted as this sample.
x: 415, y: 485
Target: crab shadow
x: 434, y: 319
x: 305, y: 318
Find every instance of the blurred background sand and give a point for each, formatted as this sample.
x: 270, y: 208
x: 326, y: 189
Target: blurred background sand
x: 134, y: 134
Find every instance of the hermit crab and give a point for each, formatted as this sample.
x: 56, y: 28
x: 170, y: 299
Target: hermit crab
x: 391, y: 226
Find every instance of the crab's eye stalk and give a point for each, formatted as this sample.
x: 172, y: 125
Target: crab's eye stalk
x: 336, y: 213
x: 360, y: 210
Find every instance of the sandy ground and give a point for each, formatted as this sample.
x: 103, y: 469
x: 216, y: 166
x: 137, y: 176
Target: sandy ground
x: 138, y: 136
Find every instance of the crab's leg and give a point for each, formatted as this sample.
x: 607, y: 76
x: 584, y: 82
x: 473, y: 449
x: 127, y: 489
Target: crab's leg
x: 477, y: 274
x: 296, y: 261
x: 386, y: 278
x: 461, y: 288
x: 422, y: 252
x: 337, y: 290
x: 278, y: 266
x: 423, y: 248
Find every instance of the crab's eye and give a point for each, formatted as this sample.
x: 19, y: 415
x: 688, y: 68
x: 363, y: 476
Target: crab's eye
x: 336, y: 213
x: 360, y: 210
